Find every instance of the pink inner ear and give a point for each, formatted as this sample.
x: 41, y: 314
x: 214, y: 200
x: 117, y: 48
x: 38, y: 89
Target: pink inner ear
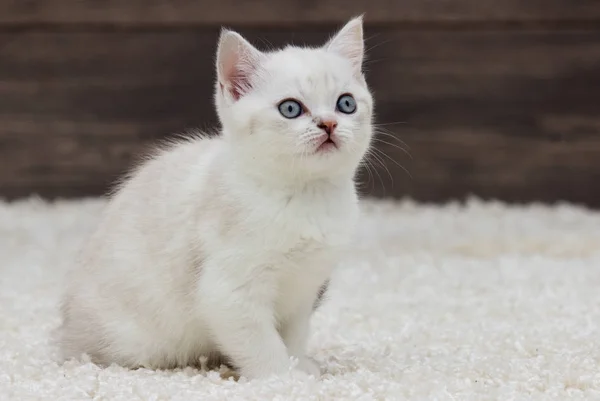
x: 239, y: 83
x: 237, y: 63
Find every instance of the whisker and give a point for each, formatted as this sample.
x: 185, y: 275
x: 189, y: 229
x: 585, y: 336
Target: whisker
x: 368, y: 167
x: 372, y: 153
x: 392, y: 136
x: 369, y: 62
x: 381, y: 178
x: 394, y: 161
x: 389, y: 123
x: 373, y: 36
x: 375, y: 46
x: 363, y: 165
x: 269, y: 46
x: 395, y: 146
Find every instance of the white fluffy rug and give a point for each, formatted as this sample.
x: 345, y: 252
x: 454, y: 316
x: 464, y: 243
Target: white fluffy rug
x: 482, y: 302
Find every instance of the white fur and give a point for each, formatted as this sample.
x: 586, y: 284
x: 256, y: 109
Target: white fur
x: 221, y: 244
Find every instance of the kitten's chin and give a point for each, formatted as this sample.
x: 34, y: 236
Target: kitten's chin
x: 330, y: 160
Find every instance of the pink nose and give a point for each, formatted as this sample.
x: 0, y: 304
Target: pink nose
x: 327, y: 125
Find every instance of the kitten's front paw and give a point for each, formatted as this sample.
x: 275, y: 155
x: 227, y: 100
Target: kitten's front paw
x: 309, y: 366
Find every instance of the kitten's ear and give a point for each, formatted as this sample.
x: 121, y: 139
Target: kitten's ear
x: 237, y: 61
x: 348, y: 42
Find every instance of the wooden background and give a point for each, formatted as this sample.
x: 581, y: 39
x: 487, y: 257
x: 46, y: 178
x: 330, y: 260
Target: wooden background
x: 500, y: 99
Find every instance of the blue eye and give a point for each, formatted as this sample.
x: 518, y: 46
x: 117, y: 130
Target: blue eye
x: 346, y: 104
x: 290, y: 108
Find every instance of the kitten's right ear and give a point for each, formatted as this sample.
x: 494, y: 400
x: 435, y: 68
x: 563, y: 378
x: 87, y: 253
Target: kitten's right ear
x: 237, y: 61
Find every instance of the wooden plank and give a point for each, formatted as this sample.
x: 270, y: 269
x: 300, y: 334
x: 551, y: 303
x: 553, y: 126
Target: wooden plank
x: 509, y: 115
x: 290, y: 12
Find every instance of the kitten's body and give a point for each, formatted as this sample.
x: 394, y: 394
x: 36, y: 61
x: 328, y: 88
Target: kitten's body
x: 220, y: 246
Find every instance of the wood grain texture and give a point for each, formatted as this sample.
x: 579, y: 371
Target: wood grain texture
x: 289, y: 12
x: 502, y: 114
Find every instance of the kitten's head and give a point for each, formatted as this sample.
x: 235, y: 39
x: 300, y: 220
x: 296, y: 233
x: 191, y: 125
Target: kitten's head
x: 303, y: 112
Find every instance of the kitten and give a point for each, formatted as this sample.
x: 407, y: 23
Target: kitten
x: 221, y: 246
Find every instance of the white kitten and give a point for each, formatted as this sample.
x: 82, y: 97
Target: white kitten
x: 219, y: 246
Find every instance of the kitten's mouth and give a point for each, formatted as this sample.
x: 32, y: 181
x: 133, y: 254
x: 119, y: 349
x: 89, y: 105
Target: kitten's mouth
x: 328, y: 145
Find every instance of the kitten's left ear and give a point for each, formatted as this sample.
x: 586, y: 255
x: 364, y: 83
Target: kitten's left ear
x: 348, y: 42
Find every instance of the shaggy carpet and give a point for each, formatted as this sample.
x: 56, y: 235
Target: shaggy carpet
x: 473, y: 302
